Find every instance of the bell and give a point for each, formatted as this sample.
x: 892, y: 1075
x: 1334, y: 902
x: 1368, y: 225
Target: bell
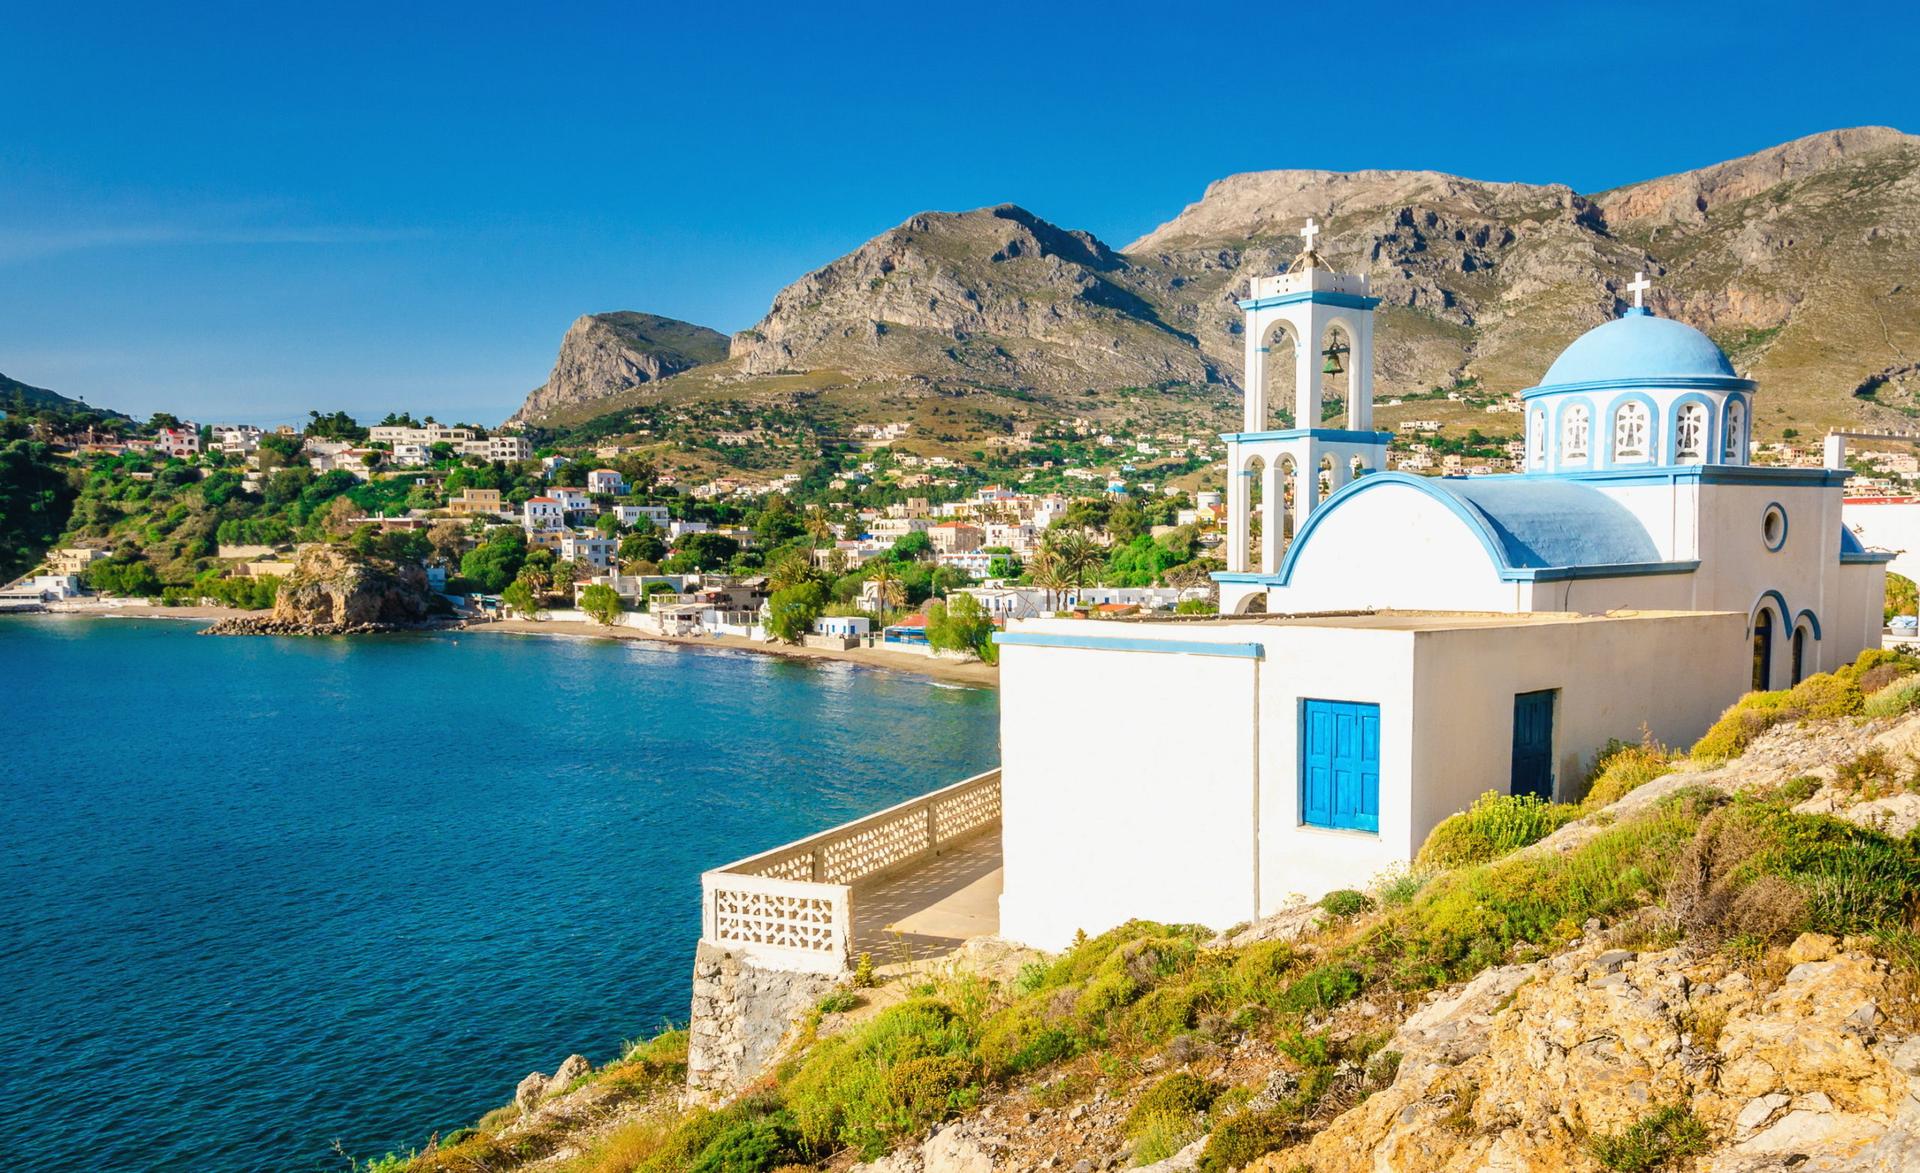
x: 1333, y: 366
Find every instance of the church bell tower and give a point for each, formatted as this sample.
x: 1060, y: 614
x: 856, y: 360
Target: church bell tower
x: 1321, y: 322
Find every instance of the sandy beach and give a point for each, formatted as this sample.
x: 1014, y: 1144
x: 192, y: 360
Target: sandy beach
x: 971, y: 673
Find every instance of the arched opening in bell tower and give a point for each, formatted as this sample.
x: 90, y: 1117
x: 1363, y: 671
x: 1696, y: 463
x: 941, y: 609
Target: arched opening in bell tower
x: 1282, y: 347
x: 1335, y: 358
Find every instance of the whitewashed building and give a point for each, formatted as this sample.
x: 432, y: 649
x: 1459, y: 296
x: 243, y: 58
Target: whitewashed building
x: 1391, y: 646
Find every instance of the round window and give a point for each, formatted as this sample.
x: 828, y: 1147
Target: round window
x: 1773, y: 527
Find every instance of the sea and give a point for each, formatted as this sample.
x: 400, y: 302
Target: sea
x: 279, y: 903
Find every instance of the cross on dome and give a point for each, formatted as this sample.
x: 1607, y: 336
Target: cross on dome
x: 1639, y: 286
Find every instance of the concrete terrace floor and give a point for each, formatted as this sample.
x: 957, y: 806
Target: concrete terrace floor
x: 932, y: 908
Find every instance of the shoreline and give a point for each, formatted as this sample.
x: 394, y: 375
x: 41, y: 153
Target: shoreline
x: 971, y: 673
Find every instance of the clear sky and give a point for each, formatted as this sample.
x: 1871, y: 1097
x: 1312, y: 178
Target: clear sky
x: 240, y: 211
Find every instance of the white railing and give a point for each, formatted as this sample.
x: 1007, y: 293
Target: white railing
x: 792, y: 908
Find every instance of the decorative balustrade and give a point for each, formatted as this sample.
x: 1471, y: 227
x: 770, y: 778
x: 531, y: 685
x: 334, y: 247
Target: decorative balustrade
x: 792, y: 907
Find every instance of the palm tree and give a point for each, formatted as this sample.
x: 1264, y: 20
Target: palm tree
x: 1072, y: 554
x: 1044, y: 569
x: 790, y: 567
x: 820, y: 527
x: 889, y: 591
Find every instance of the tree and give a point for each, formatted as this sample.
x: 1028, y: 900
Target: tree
x: 961, y: 624
x: 890, y: 592
x: 340, y: 518
x: 603, y: 603
x: 1125, y: 522
x: 1071, y: 555
x: 820, y: 527
x: 911, y: 547
x: 709, y: 551
x: 522, y: 596
x: 496, y: 562
x: 1902, y: 596
x: 607, y: 524
x: 790, y: 567
x: 791, y: 612
x: 642, y: 545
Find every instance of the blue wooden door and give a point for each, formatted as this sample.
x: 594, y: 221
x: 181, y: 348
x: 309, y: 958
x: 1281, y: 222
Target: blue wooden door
x: 1340, y: 765
x: 1533, y: 744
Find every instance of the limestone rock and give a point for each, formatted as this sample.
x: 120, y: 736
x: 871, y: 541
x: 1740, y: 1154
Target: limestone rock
x: 571, y: 1069
x: 603, y: 355
x: 334, y: 590
x: 531, y: 1091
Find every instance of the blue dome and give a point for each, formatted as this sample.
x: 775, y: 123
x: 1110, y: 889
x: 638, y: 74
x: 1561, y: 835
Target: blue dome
x: 1640, y: 348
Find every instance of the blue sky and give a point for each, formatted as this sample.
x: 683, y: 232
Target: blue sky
x: 240, y: 211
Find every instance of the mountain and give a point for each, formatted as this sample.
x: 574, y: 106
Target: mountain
x: 603, y: 355
x: 1799, y: 260
x: 41, y: 397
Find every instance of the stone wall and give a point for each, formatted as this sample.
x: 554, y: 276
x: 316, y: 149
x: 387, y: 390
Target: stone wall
x: 742, y: 1013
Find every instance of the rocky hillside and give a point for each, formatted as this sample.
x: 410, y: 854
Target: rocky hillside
x: 603, y: 355
x: 1710, y: 966
x: 1798, y: 259
x: 40, y: 397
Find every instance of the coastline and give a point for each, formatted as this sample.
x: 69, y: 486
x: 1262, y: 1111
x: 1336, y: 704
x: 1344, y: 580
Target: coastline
x: 973, y: 673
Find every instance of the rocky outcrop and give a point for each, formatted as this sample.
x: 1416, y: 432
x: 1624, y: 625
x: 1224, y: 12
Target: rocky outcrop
x: 603, y: 355
x: 336, y: 591
x: 1521, y: 1067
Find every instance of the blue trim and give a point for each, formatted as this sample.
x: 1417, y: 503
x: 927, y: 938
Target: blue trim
x: 1709, y: 474
x: 1773, y: 547
x: 1708, y: 442
x: 1644, y: 382
x: 1476, y: 524
x: 1325, y: 435
x: 1813, y: 621
x: 1116, y: 643
x: 1613, y: 423
x: 1780, y: 608
x: 1241, y: 576
x: 1866, y: 558
x: 1746, y: 432
x: 1352, y: 301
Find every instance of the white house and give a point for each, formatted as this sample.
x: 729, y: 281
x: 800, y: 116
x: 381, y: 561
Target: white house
x: 588, y: 548
x: 544, y: 513
x: 656, y: 515
x: 607, y: 481
x: 1397, y: 645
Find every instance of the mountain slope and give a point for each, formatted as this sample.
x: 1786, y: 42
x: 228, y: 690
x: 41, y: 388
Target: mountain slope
x: 1798, y: 259
x: 605, y: 354
x: 41, y: 397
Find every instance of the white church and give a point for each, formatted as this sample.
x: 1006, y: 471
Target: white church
x: 1391, y: 646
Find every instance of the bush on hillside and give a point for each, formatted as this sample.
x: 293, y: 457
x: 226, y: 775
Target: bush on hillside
x: 1823, y: 696
x: 1494, y: 825
x: 1621, y: 768
x: 1900, y: 697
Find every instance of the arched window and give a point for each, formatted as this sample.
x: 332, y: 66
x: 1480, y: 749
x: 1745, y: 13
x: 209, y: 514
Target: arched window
x: 1799, y: 653
x: 1736, y: 445
x: 1537, y: 439
x: 1763, y: 650
x: 1690, y: 434
x: 1630, y: 432
x: 1573, y: 434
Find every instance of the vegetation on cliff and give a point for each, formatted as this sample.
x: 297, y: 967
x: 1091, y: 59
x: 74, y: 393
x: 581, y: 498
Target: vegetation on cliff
x: 1394, y: 1025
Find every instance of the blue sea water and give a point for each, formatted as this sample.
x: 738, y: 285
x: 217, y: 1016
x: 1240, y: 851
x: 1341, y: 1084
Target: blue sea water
x: 261, y: 895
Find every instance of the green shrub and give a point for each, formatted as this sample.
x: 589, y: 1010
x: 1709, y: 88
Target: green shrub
x: 1856, y: 880
x: 1241, y: 1137
x: 1743, y: 722
x: 846, y: 1092
x: 1654, y: 1142
x: 1345, y: 902
x: 1622, y: 768
x: 1322, y: 988
x: 1493, y: 826
x: 749, y: 1146
x: 1896, y: 699
x: 931, y: 1089
x: 840, y: 1001
x: 1181, y: 1094
x: 1819, y: 697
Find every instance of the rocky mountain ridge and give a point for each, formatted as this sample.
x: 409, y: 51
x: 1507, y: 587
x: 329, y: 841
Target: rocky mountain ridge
x: 1798, y: 259
x: 603, y: 355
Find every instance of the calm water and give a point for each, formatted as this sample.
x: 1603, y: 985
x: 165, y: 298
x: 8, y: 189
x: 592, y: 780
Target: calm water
x: 257, y: 895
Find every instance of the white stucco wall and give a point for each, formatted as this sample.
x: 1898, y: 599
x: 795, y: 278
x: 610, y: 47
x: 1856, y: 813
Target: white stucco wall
x: 1890, y: 526
x: 1394, y: 546
x: 1139, y: 783
x: 1126, y: 790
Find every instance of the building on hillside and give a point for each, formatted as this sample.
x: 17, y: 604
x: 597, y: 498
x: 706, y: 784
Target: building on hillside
x: 509, y: 448
x: 588, y: 548
x: 73, y: 559
x: 544, y: 513
x: 654, y: 515
x: 181, y: 441
x: 954, y: 537
x: 237, y: 439
x: 476, y: 503
x: 607, y: 481
x: 1394, y: 645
